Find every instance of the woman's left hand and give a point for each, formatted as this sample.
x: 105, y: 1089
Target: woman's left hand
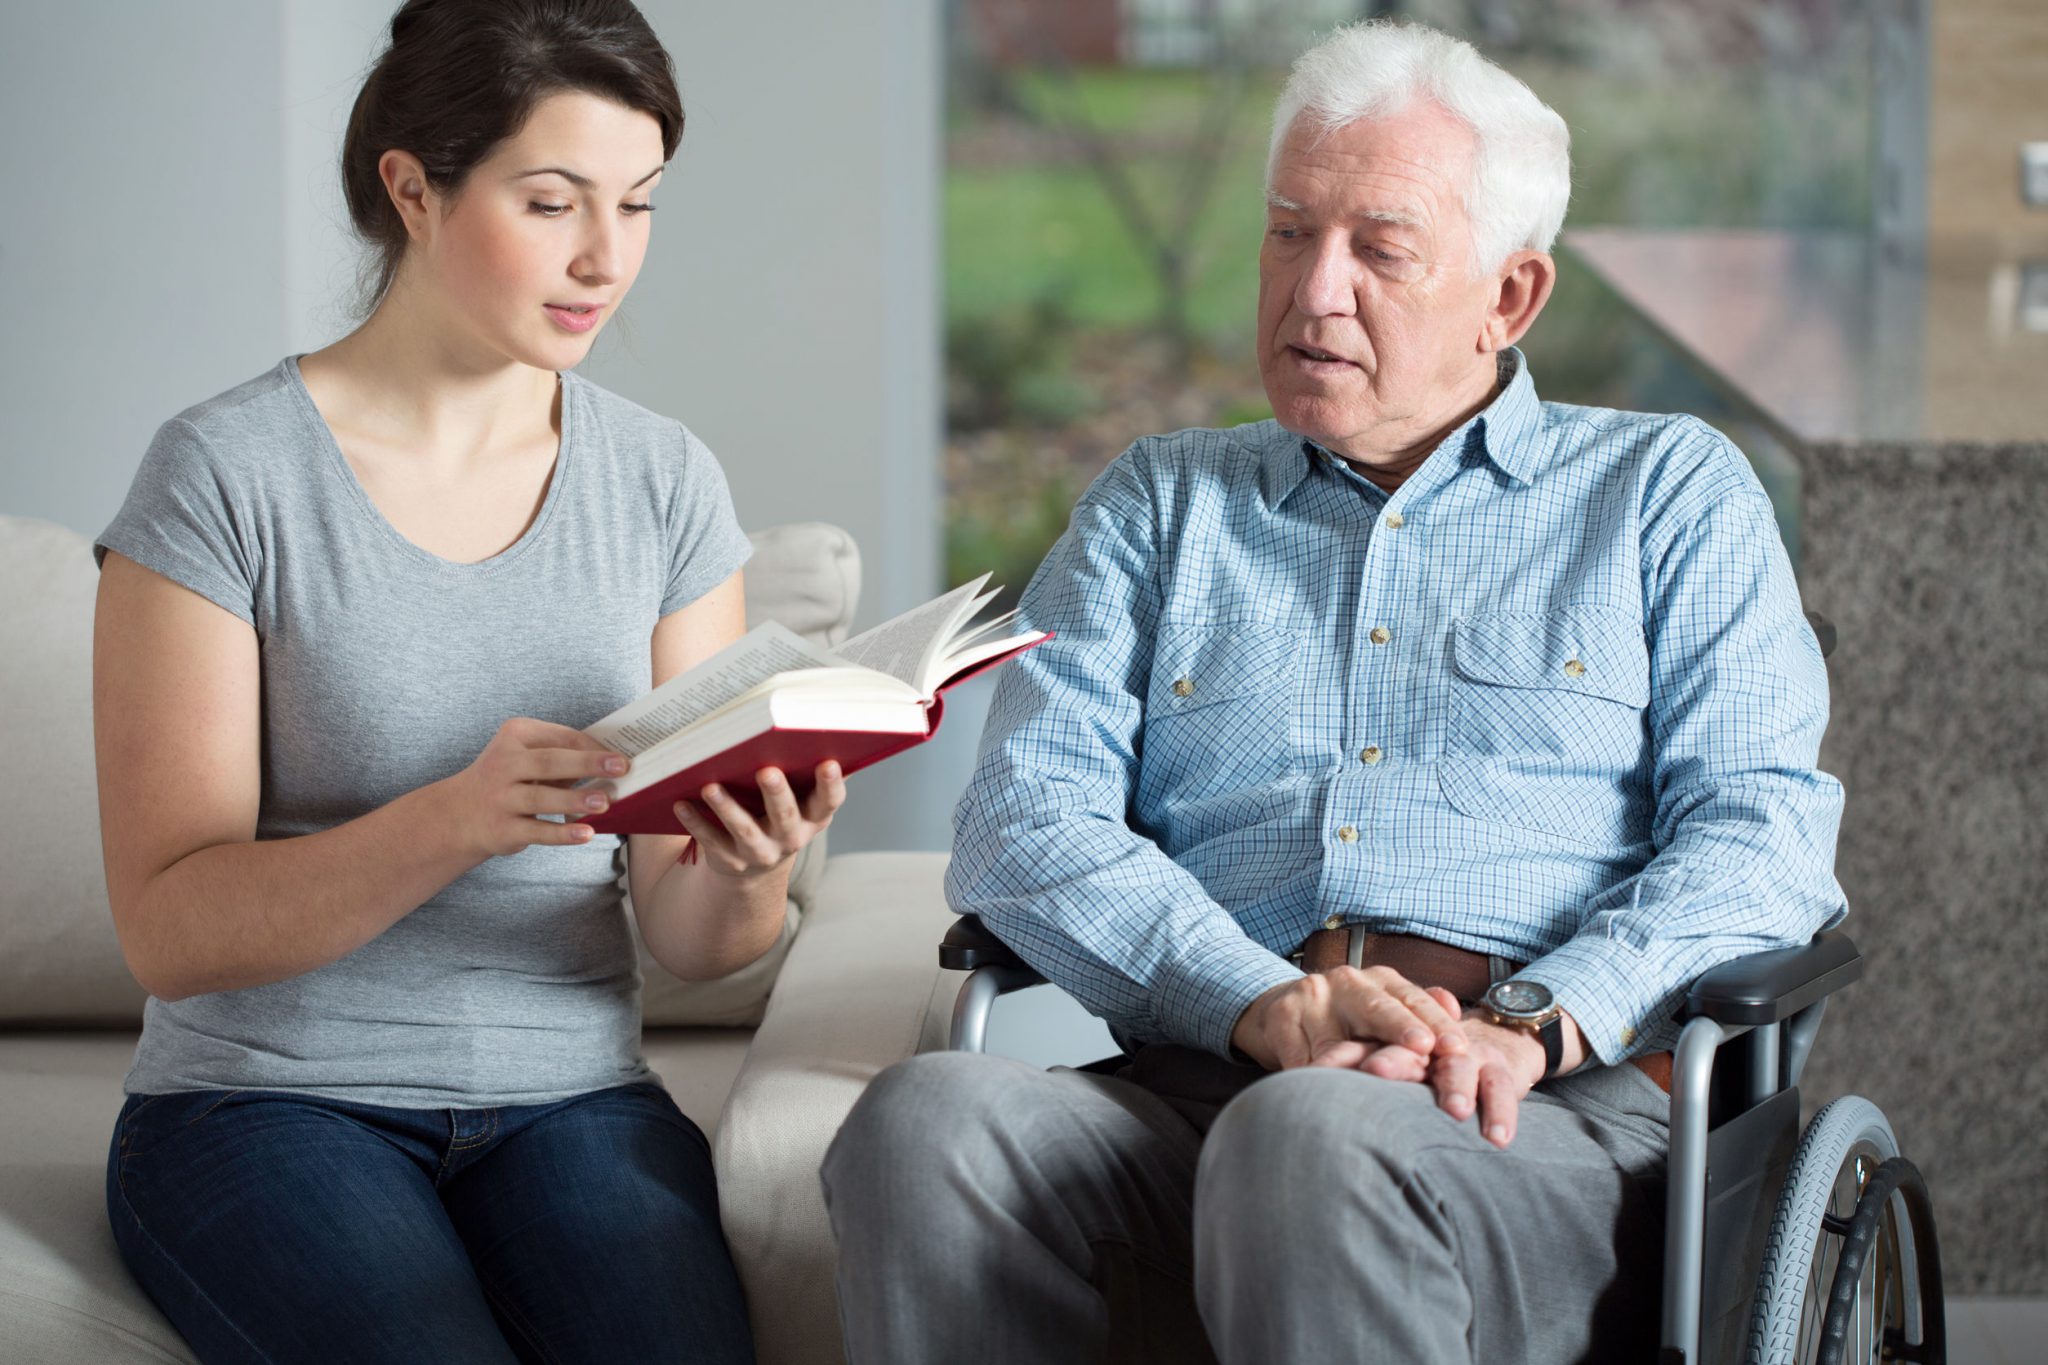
x: 738, y: 844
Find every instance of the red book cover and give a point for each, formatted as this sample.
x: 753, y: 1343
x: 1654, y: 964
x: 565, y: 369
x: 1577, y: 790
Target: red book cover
x: 797, y: 752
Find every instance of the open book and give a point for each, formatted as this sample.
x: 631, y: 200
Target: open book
x: 773, y: 699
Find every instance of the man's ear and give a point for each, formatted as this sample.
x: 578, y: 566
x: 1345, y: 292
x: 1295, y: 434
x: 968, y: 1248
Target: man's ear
x: 405, y: 180
x: 1524, y: 283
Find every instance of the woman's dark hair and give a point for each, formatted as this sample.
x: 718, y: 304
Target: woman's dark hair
x: 460, y: 76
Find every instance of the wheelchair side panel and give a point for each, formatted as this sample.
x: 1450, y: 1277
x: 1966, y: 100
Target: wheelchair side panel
x: 1747, y: 1158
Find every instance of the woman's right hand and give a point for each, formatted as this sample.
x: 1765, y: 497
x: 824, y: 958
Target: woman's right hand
x: 526, y: 771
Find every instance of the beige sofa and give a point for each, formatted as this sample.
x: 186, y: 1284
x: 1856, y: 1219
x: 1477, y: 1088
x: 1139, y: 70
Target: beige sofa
x: 767, y: 1061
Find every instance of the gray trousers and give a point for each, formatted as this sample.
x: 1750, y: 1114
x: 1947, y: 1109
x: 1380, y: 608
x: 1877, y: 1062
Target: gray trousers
x: 1188, y: 1209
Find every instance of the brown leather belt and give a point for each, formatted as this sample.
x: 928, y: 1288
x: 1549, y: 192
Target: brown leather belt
x: 1424, y: 961
x: 1462, y: 972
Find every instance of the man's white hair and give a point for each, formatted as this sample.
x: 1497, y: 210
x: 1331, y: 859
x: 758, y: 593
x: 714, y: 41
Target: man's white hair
x: 1521, y: 172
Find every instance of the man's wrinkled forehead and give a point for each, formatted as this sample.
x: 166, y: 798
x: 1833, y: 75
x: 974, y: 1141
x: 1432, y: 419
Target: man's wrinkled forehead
x: 1391, y: 217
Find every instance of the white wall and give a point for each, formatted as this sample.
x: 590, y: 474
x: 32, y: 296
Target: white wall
x: 790, y: 313
x: 324, y: 49
x: 174, y: 225
x: 142, y: 259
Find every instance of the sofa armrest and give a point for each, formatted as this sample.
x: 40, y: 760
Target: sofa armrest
x: 860, y: 989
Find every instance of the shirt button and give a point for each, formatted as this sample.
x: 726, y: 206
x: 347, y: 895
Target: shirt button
x: 1334, y: 922
x: 1395, y: 521
x: 1628, y: 1035
x: 1370, y: 754
x: 1347, y: 833
x: 1574, y: 669
x: 1380, y: 635
x: 1183, y: 687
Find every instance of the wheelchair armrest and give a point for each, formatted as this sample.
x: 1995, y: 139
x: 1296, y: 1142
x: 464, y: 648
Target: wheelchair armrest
x: 968, y: 945
x: 1767, y: 987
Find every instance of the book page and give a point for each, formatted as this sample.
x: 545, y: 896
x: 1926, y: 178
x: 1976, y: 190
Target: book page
x: 963, y: 660
x: 995, y: 628
x: 908, y: 646
x: 760, y: 654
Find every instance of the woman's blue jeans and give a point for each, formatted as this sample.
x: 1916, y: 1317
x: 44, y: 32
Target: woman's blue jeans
x: 270, y: 1226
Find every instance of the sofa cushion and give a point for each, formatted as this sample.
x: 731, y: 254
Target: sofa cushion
x: 696, y: 1066
x: 862, y: 989
x: 805, y: 574
x: 65, y: 1296
x: 59, y: 959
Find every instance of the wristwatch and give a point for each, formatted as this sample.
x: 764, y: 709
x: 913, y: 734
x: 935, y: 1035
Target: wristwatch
x: 1530, y: 1007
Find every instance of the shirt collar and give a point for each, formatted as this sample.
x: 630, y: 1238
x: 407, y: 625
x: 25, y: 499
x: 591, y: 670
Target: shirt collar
x: 1287, y: 462
x: 1509, y: 430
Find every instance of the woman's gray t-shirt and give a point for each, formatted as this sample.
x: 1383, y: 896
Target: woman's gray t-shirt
x: 385, y: 668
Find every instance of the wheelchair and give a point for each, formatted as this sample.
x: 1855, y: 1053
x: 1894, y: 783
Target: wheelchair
x: 1779, y: 1247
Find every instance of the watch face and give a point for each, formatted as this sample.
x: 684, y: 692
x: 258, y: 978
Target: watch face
x: 1520, y: 997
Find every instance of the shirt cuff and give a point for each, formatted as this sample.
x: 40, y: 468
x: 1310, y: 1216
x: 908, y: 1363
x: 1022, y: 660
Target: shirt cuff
x: 1610, y: 993
x: 1201, y: 993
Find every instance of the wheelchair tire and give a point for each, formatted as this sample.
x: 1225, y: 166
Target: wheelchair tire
x: 1847, y: 1140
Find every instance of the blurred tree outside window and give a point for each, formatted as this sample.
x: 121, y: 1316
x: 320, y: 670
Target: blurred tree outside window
x: 1104, y: 202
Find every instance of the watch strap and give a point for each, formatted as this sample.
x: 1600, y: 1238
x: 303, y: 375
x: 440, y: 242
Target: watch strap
x: 1551, y: 1035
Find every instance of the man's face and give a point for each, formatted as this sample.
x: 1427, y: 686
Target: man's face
x: 1370, y: 321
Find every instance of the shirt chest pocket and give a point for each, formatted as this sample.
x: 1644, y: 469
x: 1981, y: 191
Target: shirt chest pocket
x: 1546, y: 723
x: 1218, y: 708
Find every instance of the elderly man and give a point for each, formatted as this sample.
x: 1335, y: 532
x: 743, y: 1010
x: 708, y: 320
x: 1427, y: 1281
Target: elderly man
x: 1396, y: 765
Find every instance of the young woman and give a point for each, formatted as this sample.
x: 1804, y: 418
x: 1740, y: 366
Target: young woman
x: 389, y: 1102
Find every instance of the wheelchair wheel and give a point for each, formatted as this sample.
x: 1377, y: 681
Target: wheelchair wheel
x: 1850, y: 1272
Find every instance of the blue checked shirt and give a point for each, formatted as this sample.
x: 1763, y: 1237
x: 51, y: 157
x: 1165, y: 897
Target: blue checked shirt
x: 1553, y: 699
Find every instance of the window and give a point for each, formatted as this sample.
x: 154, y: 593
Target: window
x: 1103, y: 207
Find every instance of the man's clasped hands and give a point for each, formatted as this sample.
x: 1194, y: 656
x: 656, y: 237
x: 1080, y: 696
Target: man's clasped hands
x: 1375, y: 1020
